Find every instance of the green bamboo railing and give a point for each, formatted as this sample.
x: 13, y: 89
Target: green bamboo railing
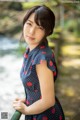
x: 16, y: 115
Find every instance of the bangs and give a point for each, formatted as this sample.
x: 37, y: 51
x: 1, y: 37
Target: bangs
x: 44, y: 17
x: 41, y: 19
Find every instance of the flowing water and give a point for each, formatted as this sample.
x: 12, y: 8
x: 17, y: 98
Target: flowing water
x: 10, y: 82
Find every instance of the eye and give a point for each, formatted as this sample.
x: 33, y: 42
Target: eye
x: 40, y: 27
x: 28, y: 23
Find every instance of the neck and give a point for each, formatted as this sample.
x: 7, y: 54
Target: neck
x: 31, y: 47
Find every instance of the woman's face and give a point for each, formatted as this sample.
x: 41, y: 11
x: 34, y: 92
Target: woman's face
x: 33, y: 33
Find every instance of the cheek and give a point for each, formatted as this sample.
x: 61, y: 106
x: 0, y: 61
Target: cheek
x: 24, y: 33
x: 25, y: 29
x: 40, y: 35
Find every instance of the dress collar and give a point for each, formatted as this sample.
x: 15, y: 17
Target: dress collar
x: 40, y: 46
x: 32, y: 51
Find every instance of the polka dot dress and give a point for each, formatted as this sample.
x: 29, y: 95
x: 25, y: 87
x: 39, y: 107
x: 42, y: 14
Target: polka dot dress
x: 31, y: 83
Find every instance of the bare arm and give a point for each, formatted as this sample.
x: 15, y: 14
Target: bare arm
x: 46, y: 81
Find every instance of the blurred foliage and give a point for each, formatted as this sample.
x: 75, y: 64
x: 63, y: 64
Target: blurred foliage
x: 15, y: 6
x: 12, y: 14
x: 22, y: 47
x: 11, y: 5
x: 66, y: 33
x: 56, y: 33
x: 26, y: 5
x: 73, y: 26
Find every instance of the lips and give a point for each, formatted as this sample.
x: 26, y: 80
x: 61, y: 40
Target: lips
x: 29, y: 37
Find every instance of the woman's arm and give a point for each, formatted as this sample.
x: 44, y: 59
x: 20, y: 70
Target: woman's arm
x: 46, y: 81
x: 47, y: 100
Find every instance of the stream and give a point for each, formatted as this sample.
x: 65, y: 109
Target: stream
x: 10, y: 82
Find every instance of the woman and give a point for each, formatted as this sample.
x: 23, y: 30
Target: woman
x: 39, y: 69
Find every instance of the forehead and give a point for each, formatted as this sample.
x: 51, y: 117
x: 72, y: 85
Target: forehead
x: 33, y: 20
x: 31, y: 17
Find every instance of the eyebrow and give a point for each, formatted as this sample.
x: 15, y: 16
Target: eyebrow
x: 30, y: 21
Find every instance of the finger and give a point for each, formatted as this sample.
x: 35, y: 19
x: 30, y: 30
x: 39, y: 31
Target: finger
x: 15, y: 102
x: 17, y: 107
x: 17, y: 99
x: 14, y: 106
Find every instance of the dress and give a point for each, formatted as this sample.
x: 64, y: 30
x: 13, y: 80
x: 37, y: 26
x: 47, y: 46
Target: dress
x: 31, y: 83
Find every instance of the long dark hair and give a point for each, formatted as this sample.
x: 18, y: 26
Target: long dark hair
x: 43, y: 17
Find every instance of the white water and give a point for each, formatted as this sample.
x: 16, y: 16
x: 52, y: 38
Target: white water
x: 10, y: 82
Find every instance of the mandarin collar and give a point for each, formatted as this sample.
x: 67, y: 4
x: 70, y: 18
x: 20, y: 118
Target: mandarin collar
x: 34, y: 49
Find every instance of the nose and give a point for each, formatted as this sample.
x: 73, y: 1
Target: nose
x: 32, y: 31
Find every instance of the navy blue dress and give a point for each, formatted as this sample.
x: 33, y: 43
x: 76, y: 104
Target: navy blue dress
x: 31, y: 83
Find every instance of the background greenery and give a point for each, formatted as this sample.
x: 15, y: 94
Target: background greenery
x: 65, y: 41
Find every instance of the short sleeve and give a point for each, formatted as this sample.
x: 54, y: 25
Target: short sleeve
x: 50, y: 59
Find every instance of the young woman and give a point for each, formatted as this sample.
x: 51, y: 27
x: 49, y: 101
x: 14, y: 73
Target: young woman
x: 39, y: 70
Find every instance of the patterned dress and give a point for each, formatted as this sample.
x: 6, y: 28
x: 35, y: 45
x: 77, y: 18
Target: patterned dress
x: 31, y: 82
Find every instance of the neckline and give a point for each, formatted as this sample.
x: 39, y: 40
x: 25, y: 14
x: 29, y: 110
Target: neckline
x: 33, y: 50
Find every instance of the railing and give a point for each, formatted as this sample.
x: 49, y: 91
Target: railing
x: 16, y: 115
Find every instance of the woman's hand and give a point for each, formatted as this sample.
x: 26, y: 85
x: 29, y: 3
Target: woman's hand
x: 20, y: 99
x: 19, y: 105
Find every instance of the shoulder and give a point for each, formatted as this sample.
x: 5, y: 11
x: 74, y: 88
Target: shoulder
x: 45, y: 60
x: 45, y: 51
